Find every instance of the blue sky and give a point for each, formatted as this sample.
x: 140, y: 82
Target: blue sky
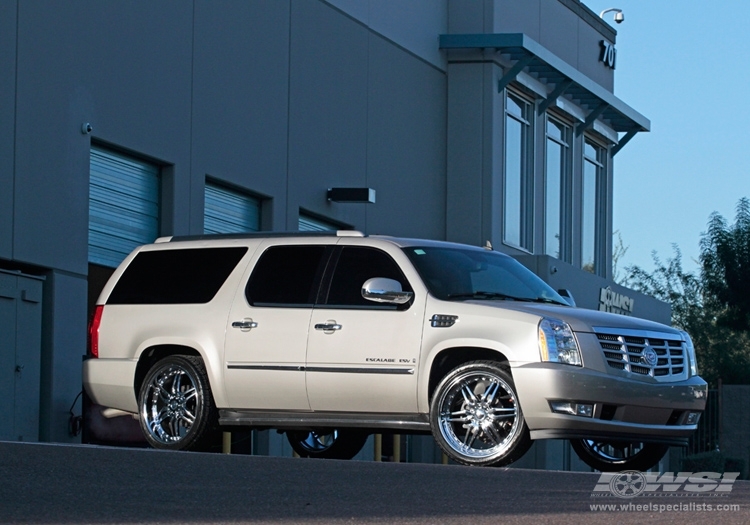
x: 685, y: 66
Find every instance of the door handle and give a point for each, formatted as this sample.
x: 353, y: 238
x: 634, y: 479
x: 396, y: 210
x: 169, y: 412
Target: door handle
x: 328, y: 327
x: 245, y: 325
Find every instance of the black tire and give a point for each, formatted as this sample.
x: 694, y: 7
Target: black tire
x: 177, y: 410
x: 327, y: 444
x: 617, y: 456
x: 476, y: 418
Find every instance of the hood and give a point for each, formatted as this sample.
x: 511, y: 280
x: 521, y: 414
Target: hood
x: 582, y: 319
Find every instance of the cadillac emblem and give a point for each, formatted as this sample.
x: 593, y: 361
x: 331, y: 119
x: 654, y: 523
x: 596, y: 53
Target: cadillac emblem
x: 649, y: 356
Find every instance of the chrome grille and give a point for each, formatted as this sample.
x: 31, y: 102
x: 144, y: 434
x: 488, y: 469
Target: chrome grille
x: 658, y: 357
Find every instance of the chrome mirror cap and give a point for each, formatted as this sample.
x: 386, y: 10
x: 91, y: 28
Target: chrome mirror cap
x: 383, y: 290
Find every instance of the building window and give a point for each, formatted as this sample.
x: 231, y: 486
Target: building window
x: 557, y: 162
x: 591, y: 210
x: 518, y: 172
x: 229, y: 211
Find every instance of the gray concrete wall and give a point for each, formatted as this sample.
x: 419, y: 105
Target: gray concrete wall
x: 279, y: 98
x: 7, y: 123
x: 566, y: 27
x: 413, y: 25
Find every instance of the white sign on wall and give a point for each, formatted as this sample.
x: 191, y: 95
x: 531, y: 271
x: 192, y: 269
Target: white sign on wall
x: 617, y: 303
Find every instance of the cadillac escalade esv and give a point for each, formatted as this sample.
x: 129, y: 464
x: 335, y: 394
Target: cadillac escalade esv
x: 335, y: 336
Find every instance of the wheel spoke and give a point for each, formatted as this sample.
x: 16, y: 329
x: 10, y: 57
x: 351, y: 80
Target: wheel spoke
x: 469, y: 433
x: 188, y: 417
x: 190, y: 393
x: 469, y: 396
x: 503, y: 413
x: 492, y: 434
x: 176, y: 383
x: 491, y: 392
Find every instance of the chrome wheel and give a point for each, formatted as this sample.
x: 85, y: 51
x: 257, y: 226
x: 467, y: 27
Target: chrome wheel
x: 477, y: 417
x: 175, y: 405
x: 316, y: 442
x: 616, y: 456
x: 328, y: 443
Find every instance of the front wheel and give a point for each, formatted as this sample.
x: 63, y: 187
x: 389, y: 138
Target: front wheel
x: 617, y: 456
x: 476, y: 418
x: 327, y: 444
x: 177, y: 410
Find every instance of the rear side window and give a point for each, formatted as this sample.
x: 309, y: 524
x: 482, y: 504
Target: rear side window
x: 189, y: 276
x: 287, y: 276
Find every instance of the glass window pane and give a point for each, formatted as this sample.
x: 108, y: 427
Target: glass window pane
x: 516, y: 106
x: 588, y: 233
x: 555, y: 130
x: 183, y: 276
x: 513, y: 180
x: 553, y: 197
x: 286, y: 276
x: 590, y: 151
x: 355, y: 266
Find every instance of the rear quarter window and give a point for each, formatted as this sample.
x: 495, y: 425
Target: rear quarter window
x: 183, y: 276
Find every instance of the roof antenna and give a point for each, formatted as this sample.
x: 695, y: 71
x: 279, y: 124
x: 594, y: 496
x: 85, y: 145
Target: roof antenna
x: 488, y: 246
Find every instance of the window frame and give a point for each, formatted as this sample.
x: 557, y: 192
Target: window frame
x: 565, y: 183
x: 599, y: 162
x: 525, y: 202
x: 330, y: 274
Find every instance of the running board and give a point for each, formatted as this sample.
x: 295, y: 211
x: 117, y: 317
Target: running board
x: 310, y: 420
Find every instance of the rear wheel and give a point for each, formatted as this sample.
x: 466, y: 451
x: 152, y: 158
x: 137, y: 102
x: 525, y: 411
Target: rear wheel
x: 476, y: 418
x: 327, y: 444
x: 177, y: 411
x: 617, y: 456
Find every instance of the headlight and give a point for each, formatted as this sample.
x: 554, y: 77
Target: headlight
x: 690, y: 353
x: 557, y: 344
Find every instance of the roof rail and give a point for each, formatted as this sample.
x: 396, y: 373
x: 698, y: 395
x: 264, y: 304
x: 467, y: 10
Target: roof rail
x: 261, y: 235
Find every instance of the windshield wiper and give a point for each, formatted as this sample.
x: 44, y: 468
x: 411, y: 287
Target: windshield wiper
x: 547, y: 301
x: 480, y: 294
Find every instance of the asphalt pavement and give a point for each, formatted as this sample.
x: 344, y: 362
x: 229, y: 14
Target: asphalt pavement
x: 57, y: 484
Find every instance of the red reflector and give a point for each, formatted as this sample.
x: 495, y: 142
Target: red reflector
x: 96, y: 320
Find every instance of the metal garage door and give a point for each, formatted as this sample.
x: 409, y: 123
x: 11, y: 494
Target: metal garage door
x: 123, y: 206
x: 311, y: 224
x: 20, y: 355
x: 228, y: 211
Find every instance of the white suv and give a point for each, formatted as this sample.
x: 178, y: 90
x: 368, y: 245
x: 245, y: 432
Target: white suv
x: 332, y: 337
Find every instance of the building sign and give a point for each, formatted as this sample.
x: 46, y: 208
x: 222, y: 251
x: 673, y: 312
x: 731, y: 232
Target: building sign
x: 611, y: 301
x: 608, y: 54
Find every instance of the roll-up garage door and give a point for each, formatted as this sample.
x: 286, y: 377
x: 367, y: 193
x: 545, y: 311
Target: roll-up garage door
x: 311, y: 224
x: 123, y: 206
x: 228, y: 211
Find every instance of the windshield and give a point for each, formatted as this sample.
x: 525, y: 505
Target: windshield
x: 455, y: 274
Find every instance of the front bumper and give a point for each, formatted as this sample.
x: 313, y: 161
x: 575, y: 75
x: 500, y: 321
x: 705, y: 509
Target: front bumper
x: 624, y: 409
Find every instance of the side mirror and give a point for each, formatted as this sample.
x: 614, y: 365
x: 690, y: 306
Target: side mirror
x: 382, y: 290
x: 567, y: 295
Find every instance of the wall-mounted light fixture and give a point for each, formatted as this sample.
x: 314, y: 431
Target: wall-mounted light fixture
x: 366, y: 195
x: 619, y: 16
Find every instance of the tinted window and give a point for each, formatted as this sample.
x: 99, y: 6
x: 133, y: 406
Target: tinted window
x: 287, y: 275
x: 355, y: 266
x: 461, y: 274
x: 175, y: 276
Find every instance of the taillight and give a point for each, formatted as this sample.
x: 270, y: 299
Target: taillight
x: 96, y: 320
